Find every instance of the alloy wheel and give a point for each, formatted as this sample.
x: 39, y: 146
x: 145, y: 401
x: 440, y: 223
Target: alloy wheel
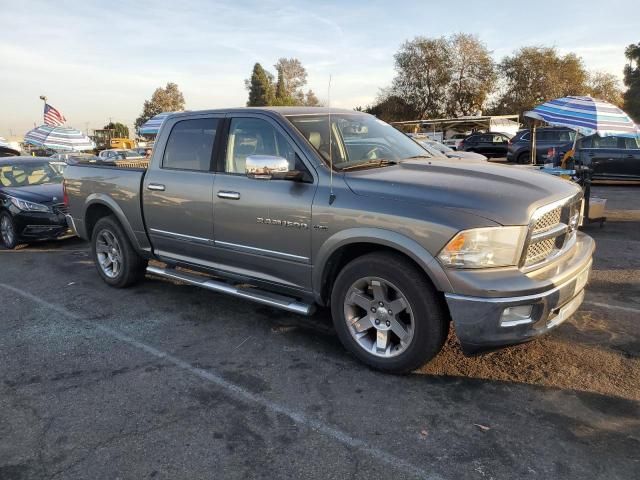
x: 6, y: 231
x: 379, y: 317
x: 109, y: 253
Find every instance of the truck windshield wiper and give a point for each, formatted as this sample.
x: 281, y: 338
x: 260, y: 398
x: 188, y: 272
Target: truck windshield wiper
x: 418, y: 156
x: 381, y: 162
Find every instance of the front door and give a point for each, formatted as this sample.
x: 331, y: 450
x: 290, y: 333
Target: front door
x: 178, y: 192
x: 263, y: 227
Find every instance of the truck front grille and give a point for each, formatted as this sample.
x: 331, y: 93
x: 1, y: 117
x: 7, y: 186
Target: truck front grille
x: 548, y: 220
x: 551, y: 232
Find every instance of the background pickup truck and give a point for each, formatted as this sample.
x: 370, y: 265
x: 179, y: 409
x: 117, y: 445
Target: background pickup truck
x: 303, y: 207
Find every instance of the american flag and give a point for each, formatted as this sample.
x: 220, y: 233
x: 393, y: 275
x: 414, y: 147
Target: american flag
x: 52, y: 116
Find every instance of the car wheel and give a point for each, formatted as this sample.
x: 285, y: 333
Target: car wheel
x: 387, y: 313
x: 117, y: 262
x: 8, y: 231
x: 524, y: 157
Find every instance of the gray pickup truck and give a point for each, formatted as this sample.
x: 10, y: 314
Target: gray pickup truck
x: 303, y: 207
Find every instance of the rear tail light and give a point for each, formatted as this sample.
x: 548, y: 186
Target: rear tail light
x: 65, y: 196
x: 551, y: 152
x: 461, y: 144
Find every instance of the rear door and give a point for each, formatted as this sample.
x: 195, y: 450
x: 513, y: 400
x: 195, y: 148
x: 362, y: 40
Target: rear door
x: 604, y: 155
x: 178, y: 190
x: 263, y: 227
x: 630, y: 157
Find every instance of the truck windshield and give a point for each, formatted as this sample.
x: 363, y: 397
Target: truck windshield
x: 356, y: 140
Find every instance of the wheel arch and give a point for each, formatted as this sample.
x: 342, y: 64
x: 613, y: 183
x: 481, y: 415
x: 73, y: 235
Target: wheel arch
x: 349, y: 244
x: 99, y: 206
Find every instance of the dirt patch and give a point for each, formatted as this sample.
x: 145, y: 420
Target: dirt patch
x: 548, y: 362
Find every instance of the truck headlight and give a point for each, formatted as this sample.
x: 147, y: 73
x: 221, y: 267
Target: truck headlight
x: 27, y: 206
x: 484, y: 248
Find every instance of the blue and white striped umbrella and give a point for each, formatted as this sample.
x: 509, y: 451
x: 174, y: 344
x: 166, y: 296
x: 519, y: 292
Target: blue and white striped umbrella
x: 586, y: 115
x: 59, y: 138
x: 152, y: 126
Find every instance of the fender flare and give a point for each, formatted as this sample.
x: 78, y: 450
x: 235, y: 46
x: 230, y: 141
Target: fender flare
x: 382, y: 237
x: 107, y: 201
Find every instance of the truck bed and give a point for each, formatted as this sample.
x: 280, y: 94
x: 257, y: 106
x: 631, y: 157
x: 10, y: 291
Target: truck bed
x: 88, y: 186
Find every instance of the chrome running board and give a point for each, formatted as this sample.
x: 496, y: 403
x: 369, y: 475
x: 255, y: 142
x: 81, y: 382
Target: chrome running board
x: 249, y: 293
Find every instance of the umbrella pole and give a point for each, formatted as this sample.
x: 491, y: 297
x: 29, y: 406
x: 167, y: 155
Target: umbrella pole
x: 533, y: 142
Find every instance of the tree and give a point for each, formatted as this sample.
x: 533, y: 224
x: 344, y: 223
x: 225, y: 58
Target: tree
x: 473, y: 75
x: 287, y: 90
x: 293, y: 75
x: 260, y: 87
x: 310, y: 99
x: 121, y: 130
x: 168, y: 99
x: 632, y: 81
x: 392, y: 108
x: 533, y: 75
x: 423, y: 67
x: 605, y: 86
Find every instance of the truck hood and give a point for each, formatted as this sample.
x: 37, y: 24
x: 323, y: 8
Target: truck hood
x: 46, y: 194
x: 504, y: 194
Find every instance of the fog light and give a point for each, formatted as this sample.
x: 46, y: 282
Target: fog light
x: 512, y: 316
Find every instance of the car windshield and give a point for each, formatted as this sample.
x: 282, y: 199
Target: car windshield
x: 440, y: 147
x: 357, y: 140
x: 24, y: 174
x: 429, y: 147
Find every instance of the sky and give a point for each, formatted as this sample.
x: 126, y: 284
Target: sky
x: 98, y: 60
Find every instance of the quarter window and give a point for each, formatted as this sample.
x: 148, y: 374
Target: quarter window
x: 190, y: 145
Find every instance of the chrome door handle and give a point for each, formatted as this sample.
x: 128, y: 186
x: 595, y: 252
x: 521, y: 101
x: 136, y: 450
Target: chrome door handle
x: 155, y: 186
x: 229, y: 195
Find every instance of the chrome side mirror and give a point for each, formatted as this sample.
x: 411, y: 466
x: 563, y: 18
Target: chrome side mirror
x: 266, y: 167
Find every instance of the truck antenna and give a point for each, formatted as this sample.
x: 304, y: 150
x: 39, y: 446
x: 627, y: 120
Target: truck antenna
x: 332, y: 196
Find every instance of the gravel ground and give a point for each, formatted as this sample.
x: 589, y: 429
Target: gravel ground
x: 169, y: 381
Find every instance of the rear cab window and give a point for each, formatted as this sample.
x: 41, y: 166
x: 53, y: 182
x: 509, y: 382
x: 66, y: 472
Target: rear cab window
x: 190, y: 145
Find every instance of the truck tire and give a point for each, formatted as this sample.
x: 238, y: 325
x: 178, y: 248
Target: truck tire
x: 117, y: 262
x: 387, y: 313
x: 8, y: 234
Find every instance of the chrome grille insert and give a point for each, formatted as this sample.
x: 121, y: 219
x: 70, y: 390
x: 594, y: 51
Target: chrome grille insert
x: 551, y: 232
x: 548, y: 220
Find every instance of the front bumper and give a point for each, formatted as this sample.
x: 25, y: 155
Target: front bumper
x: 479, y: 320
x: 40, y: 226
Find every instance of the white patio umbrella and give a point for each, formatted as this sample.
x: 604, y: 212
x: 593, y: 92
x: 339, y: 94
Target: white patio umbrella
x: 64, y: 139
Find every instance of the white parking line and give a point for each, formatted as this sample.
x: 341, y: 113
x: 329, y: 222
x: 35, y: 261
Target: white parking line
x: 242, y: 393
x: 614, y: 307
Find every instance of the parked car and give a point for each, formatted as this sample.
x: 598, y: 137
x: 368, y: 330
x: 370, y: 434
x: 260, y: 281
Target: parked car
x: 113, y: 154
x: 612, y: 158
x: 31, y: 201
x: 492, y: 144
x: 547, y: 138
x: 75, y: 157
x: 7, y: 151
x: 449, y: 152
x: 267, y: 205
x: 454, y: 140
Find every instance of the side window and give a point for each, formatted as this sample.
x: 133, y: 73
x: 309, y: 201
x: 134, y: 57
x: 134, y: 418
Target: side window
x: 190, y: 145
x: 605, y: 142
x: 525, y: 137
x: 253, y: 136
x: 630, y: 143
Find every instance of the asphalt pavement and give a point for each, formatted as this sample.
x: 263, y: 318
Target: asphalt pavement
x: 169, y: 381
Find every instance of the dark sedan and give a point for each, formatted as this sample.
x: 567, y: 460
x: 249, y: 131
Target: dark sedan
x: 31, y: 201
x: 491, y: 144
